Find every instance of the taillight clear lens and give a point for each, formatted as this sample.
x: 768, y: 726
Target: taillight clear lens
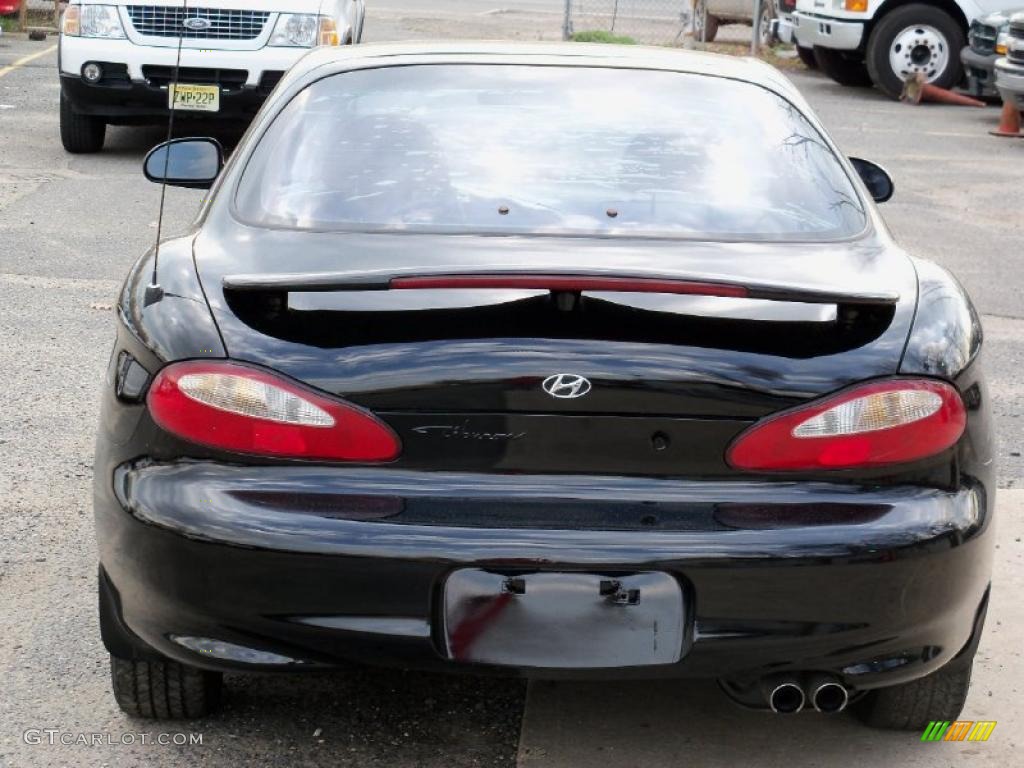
x: 250, y: 410
x: 256, y: 399
x: 881, y: 410
x: 875, y: 424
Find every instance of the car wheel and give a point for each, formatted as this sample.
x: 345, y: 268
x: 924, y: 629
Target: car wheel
x: 844, y: 68
x: 764, y: 28
x: 806, y: 55
x: 911, y: 706
x: 164, y: 690
x: 915, y: 39
x: 706, y: 35
x: 80, y: 134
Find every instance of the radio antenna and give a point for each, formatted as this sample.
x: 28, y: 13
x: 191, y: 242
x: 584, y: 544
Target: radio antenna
x: 154, y: 292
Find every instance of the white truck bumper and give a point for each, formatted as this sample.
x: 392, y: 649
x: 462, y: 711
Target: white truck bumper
x: 784, y: 29
x: 76, y: 51
x: 1010, y: 82
x: 810, y: 30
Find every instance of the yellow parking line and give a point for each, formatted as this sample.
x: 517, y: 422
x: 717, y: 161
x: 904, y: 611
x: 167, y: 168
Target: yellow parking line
x: 25, y: 60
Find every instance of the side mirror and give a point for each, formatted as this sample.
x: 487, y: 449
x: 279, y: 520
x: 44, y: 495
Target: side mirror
x: 191, y: 162
x: 875, y: 178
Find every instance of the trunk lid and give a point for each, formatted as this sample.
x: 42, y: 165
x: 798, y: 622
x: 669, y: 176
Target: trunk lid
x: 459, y: 373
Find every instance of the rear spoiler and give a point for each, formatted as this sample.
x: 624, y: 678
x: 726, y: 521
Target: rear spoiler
x: 556, y: 282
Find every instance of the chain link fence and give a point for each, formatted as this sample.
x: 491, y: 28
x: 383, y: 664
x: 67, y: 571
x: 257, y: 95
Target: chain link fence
x: 654, y: 22
x: 662, y: 22
x: 39, y: 13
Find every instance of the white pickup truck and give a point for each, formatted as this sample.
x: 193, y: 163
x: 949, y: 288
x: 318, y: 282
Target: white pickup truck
x: 117, y: 58
x: 860, y: 42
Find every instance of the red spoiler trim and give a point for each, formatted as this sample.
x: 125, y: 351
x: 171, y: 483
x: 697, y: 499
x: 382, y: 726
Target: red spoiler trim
x: 571, y: 283
x: 576, y: 282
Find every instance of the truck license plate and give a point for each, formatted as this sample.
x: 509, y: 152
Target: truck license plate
x: 198, y: 98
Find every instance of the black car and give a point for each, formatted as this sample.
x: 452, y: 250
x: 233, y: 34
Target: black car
x: 558, y: 361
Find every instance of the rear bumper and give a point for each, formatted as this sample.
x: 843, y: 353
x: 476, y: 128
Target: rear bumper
x: 811, y: 30
x: 876, y: 586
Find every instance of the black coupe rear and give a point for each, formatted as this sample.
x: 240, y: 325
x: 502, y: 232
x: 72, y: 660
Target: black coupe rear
x: 547, y: 361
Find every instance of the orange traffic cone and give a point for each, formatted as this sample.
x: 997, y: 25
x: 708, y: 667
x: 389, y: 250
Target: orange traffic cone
x: 916, y: 90
x: 1009, y: 122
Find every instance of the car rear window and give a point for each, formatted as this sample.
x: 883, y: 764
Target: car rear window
x: 537, y: 149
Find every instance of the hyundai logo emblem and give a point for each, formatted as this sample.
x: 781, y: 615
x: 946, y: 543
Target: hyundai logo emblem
x: 566, y: 386
x: 196, y: 23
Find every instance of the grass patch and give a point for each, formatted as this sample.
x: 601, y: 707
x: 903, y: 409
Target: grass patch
x: 36, y: 17
x: 600, y: 36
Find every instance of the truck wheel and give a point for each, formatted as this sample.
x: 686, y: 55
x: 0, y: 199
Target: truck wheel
x: 915, y: 39
x: 807, y: 57
x: 164, y: 690
x: 712, y: 23
x: 80, y: 134
x: 845, y: 68
x: 766, y: 36
x: 911, y: 706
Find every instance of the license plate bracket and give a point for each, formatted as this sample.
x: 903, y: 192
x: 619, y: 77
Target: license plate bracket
x: 563, y: 620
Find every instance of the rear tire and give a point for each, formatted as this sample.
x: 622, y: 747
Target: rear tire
x: 931, y: 31
x: 844, y: 68
x: 80, y: 134
x: 806, y: 55
x: 164, y: 690
x: 764, y: 27
x: 712, y: 24
x: 911, y: 706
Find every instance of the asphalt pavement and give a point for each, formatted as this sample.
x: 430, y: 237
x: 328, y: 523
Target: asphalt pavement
x: 70, y: 227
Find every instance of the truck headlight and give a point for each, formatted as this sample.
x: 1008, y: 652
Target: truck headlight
x: 70, y: 21
x: 95, y: 21
x: 303, y: 30
x: 1002, y: 40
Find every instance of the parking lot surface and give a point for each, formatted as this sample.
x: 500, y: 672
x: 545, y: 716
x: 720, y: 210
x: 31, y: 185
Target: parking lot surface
x: 70, y: 227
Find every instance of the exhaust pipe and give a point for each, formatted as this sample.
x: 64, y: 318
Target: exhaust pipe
x: 827, y: 694
x: 784, y: 696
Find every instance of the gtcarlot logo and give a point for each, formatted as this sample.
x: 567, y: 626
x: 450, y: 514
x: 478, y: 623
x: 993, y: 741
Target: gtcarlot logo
x: 53, y: 736
x: 958, y: 730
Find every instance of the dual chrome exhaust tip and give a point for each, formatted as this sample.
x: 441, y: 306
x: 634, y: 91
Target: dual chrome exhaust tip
x: 789, y: 695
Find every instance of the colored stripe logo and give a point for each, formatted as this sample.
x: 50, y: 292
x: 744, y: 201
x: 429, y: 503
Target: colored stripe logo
x: 958, y: 730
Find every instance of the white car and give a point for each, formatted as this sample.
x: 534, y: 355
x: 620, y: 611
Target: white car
x: 117, y: 59
x: 885, y: 42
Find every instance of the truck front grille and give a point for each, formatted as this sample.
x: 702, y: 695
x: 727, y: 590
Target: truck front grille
x: 223, y: 23
x: 982, y: 38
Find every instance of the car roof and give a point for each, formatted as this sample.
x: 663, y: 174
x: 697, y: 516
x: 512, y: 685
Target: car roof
x: 743, y: 68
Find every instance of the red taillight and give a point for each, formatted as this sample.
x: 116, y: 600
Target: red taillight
x: 249, y: 410
x: 884, y: 422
